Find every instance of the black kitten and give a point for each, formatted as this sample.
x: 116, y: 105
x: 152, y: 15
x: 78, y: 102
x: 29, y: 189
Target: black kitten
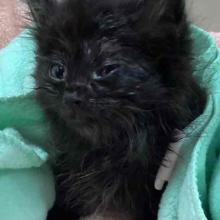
x: 115, y: 79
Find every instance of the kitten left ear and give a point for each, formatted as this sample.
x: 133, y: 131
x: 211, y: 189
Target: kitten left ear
x: 172, y: 10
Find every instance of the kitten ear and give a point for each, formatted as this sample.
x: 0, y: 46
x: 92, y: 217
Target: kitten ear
x: 170, y: 10
x: 160, y: 17
x: 38, y: 9
x: 41, y: 8
x: 154, y: 11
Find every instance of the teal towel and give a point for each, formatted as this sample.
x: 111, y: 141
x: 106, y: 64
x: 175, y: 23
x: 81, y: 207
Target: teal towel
x: 193, y: 191
x: 26, y: 183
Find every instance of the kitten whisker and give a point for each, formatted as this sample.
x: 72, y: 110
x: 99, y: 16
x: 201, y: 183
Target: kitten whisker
x: 48, y: 89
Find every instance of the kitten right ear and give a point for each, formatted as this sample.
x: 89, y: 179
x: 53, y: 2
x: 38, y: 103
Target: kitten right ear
x: 37, y: 9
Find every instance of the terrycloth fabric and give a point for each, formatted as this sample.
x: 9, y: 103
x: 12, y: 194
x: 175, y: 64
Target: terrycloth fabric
x: 26, y: 183
x: 193, y: 192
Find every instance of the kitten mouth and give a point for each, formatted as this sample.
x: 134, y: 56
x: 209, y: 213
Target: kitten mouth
x: 102, y: 103
x: 80, y: 112
x: 92, y: 110
x: 93, y: 105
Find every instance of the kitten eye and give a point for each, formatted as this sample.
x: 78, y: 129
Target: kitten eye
x: 107, y: 70
x: 57, y: 71
x: 110, y: 68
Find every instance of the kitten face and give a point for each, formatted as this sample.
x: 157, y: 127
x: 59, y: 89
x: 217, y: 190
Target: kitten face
x: 93, y: 67
x: 125, y: 61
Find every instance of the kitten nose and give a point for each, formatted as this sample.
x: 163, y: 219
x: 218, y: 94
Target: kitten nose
x: 71, y: 98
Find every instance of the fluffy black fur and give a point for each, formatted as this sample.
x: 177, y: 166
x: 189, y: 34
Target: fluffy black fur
x: 115, y: 79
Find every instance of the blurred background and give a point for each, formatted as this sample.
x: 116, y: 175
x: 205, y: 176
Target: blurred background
x: 205, y: 13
